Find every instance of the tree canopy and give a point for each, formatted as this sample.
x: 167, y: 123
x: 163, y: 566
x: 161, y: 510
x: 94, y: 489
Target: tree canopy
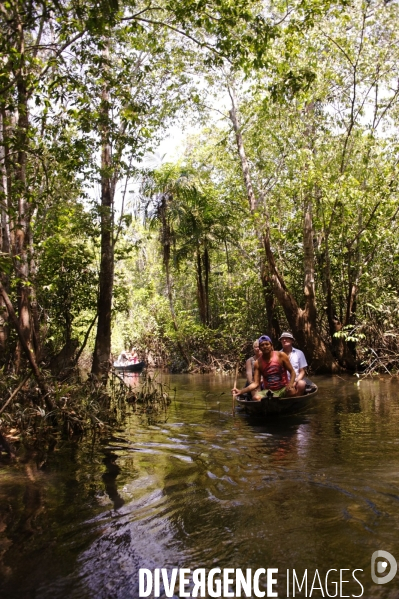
x: 280, y: 212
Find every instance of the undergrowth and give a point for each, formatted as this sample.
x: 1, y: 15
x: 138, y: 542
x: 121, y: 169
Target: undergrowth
x: 79, y: 408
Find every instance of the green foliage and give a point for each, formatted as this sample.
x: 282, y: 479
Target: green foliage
x: 349, y: 333
x: 318, y: 105
x: 67, y: 278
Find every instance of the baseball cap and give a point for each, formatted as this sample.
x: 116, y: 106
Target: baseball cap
x: 264, y: 338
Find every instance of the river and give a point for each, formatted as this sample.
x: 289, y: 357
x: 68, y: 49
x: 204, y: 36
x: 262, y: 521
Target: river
x: 195, y: 487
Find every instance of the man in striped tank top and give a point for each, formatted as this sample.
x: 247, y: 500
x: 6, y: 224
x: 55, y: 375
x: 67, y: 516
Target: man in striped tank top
x: 272, y: 366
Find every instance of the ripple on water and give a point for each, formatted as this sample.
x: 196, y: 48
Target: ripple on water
x: 204, y: 489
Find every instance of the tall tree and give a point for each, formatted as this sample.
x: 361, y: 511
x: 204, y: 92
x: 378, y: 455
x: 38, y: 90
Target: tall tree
x: 188, y: 28
x: 27, y: 29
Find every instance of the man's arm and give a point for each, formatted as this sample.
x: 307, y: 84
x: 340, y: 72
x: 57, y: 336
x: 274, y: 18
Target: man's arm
x: 301, y: 375
x: 288, y: 366
x: 248, y: 370
x: 302, y: 364
x: 253, y: 385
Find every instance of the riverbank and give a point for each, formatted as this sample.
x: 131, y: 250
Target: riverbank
x: 78, y: 406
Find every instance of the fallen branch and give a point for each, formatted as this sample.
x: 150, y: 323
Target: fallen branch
x: 85, y: 340
x: 14, y: 393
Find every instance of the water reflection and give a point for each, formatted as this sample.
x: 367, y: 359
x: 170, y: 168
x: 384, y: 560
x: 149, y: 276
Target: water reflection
x: 131, y: 379
x: 109, y: 477
x: 197, y: 487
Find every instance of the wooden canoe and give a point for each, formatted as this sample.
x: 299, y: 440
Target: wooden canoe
x: 270, y: 405
x: 138, y: 367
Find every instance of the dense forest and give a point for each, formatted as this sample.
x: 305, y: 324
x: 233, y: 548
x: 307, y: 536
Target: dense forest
x: 280, y: 211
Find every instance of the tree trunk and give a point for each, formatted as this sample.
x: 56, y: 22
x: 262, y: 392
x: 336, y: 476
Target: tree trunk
x: 241, y: 152
x: 354, y: 277
x: 22, y: 226
x: 166, y: 239
x: 302, y: 321
x: 102, y: 349
x: 309, y: 266
x: 82, y: 347
x: 318, y: 355
x: 202, y: 276
x: 172, y: 310
x: 4, y: 235
x: 273, y: 325
x: 200, y: 289
x: 28, y: 352
x: 207, y: 270
x: 36, y: 337
x: 340, y: 348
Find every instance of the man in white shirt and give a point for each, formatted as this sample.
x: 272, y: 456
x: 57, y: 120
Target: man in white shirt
x: 297, y: 359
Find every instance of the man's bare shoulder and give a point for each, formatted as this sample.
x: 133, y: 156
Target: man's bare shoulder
x: 283, y: 357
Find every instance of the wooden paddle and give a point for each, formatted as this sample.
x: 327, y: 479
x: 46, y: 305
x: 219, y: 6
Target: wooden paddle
x: 235, y: 385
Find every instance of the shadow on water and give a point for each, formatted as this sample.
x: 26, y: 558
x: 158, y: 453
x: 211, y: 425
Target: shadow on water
x: 277, y: 425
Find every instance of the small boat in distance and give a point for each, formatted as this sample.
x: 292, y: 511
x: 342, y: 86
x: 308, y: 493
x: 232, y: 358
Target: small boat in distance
x: 129, y: 366
x: 270, y: 405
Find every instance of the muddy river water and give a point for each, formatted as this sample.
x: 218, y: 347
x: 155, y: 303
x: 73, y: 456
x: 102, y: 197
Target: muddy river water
x: 196, y: 488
